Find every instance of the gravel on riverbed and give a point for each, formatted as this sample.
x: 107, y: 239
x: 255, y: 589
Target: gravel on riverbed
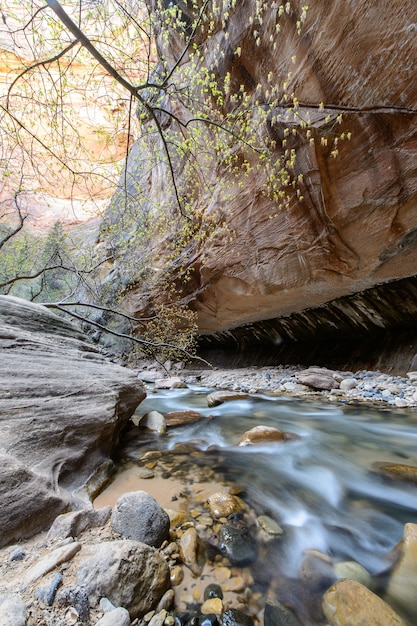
x: 360, y: 386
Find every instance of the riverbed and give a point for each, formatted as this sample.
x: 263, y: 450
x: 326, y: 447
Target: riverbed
x: 323, y: 486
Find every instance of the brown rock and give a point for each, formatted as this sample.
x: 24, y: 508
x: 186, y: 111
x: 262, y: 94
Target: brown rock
x: 262, y: 434
x: 223, y: 504
x: 180, y: 418
x: 402, y: 586
x: 192, y: 551
x: 396, y: 471
x: 213, y: 605
x: 318, y: 379
x: 218, y: 397
x: 356, y: 224
x: 348, y: 603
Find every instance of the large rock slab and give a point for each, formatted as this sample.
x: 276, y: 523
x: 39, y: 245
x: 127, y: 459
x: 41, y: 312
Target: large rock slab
x: 62, y: 408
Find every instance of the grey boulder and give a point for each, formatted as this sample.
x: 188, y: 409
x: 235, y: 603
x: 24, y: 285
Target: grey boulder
x: 137, y: 515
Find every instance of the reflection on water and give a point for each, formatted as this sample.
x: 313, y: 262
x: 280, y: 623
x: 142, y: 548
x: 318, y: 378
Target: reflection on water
x: 321, y: 487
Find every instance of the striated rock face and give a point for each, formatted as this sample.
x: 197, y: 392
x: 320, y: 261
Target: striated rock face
x: 62, y: 407
x: 356, y: 226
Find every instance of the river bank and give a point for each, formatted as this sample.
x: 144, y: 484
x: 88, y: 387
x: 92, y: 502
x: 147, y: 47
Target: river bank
x: 43, y: 579
x: 314, y: 382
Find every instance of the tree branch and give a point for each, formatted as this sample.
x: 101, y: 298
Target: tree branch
x: 39, y: 63
x: 142, y: 342
x: 18, y: 227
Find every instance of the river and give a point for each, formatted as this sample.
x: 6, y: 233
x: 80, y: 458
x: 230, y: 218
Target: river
x: 322, y: 487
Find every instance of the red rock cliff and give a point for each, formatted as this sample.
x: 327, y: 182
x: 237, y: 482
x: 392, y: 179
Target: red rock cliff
x: 356, y: 225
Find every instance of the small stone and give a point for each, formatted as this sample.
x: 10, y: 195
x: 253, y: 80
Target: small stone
x: 235, y: 584
x: 276, y: 614
x: 208, y: 620
x: 18, y: 554
x: 153, y: 421
x: 348, y: 383
x: 177, y: 575
x: 166, y: 602
x: 76, y: 597
x: 175, y: 382
x: 401, y: 403
x: 213, y: 591
x: 73, y: 523
x: 158, y: 619
x: 237, y: 544
x: 176, y: 518
x: 318, y: 378
x: 223, y: 504
x: 105, y: 605
x: 234, y: 617
x: 47, y: 594
x: 180, y: 418
x: 52, y: 560
x: 269, y: 525
x: 396, y: 471
x: 261, y: 434
x: 192, y: 551
x: 402, y: 586
x: 71, y: 616
x: 213, y: 605
x: 218, y: 397
x: 354, y: 571
x: 12, y: 610
x: 116, y: 617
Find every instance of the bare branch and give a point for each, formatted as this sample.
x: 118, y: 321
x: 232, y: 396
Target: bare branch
x: 39, y: 63
x: 142, y: 342
x: 19, y: 227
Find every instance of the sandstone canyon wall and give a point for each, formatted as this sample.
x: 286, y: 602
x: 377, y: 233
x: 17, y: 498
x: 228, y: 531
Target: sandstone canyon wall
x: 354, y: 230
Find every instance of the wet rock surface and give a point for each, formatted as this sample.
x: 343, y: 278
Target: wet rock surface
x: 348, y: 603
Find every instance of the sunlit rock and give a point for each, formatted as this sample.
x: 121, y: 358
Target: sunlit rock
x: 264, y: 434
x: 223, y: 504
x: 396, y: 471
x: 180, y: 418
x: 218, y: 397
x: 192, y: 551
x: 153, y: 421
x: 402, y: 586
x: 348, y: 603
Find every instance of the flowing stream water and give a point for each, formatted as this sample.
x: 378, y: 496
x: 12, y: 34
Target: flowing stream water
x: 321, y: 487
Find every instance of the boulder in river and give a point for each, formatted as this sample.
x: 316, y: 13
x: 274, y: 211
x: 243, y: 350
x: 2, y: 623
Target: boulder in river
x: 402, y: 586
x: 62, y: 408
x: 348, y: 603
